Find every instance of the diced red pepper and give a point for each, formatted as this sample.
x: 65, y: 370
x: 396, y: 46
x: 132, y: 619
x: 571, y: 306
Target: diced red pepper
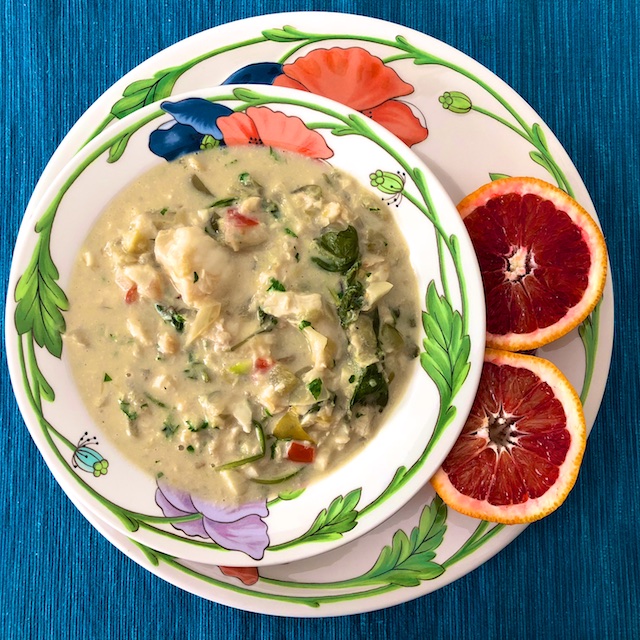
x: 132, y: 294
x: 238, y: 219
x: 301, y: 452
x: 263, y: 364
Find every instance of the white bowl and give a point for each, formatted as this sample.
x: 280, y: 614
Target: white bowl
x: 416, y: 434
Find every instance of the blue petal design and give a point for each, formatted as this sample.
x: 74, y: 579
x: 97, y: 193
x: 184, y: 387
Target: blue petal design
x: 199, y: 114
x: 256, y: 73
x: 175, y: 141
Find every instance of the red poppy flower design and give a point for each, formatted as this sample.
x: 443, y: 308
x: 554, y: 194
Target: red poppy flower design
x: 261, y: 125
x: 247, y: 575
x: 361, y: 81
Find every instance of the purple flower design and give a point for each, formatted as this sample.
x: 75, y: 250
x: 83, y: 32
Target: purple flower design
x: 238, y: 528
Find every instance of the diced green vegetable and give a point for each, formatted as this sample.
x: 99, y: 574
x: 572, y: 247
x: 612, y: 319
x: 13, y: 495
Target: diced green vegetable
x: 315, y: 387
x: 171, y: 316
x: 199, y: 185
x: 338, y: 250
x: 241, y: 368
x: 303, y: 325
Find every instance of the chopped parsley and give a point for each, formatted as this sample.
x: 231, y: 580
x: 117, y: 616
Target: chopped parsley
x: 291, y: 233
x: 171, y: 316
x: 275, y: 285
x: 196, y: 277
x: 168, y: 428
x: 107, y: 378
x: 125, y: 407
x: 303, y: 325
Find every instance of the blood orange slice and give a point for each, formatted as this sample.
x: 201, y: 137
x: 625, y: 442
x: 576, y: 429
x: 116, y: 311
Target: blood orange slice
x: 519, y: 452
x: 542, y: 257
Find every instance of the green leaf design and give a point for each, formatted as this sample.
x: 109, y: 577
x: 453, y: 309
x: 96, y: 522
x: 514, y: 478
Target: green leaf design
x: 538, y: 136
x: 409, y: 559
x: 538, y: 158
x: 286, y: 34
x: 40, y: 300
x: 419, y: 56
x: 331, y: 523
x: 446, y: 353
x: 498, y: 176
x: 248, y: 95
x: 143, y: 92
x: 118, y: 147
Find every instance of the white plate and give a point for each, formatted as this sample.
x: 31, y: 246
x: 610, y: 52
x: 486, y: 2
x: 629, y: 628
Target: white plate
x: 419, y: 429
x: 496, y: 136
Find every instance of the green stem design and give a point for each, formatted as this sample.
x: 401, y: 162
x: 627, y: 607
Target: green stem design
x: 589, y: 331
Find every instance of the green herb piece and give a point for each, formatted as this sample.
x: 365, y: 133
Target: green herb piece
x: 163, y: 211
x: 224, y: 202
x: 125, y: 407
x: 304, y: 324
x: 277, y: 479
x: 315, y: 387
x: 291, y: 233
x: 267, y: 413
x: 372, y: 388
x: 245, y: 179
x: 171, y: 316
x: 238, y: 463
x: 275, y: 285
x: 339, y: 250
x: 199, y: 185
x: 352, y: 379
x: 313, y: 190
x: 196, y: 277
x: 274, y: 154
x: 195, y: 428
x: 197, y: 371
x: 297, y: 257
x: 267, y: 323
x: 155, y: 401
x: 351, y: 300
x: 107, y: 378
x: 271, y: 207
x: 169, y: 429
x: 190, y: 448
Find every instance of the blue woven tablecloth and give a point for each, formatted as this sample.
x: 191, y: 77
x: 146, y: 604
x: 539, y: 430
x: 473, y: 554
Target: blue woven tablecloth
x: 575, y: 574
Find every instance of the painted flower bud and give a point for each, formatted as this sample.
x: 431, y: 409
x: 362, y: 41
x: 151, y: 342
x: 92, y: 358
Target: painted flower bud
x: 455, y: 101
x: 387, y: 182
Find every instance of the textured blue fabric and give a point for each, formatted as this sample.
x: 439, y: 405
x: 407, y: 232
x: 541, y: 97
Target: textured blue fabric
x: 574, y: 575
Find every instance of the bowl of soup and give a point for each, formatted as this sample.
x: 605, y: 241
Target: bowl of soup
x: 245, y: 325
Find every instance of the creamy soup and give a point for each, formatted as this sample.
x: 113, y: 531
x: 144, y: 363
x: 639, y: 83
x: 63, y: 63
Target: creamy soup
x: 241, y: 320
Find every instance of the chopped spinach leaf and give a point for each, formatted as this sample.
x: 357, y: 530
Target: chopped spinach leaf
x: 171, y: 316
x: 155, y: 401
x: 339, y: 250
x: 163, y: 211
x: 351, y: 299
x: 266, y: 319
x: 372, y: 388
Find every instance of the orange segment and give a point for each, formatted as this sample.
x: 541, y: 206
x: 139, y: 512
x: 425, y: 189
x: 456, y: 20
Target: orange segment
x: 542, y: 257
x: 520, y: 450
